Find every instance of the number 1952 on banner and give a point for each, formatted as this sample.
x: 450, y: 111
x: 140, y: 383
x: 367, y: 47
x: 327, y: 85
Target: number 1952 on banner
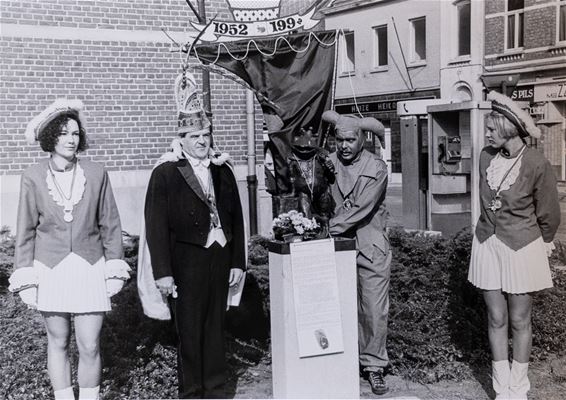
x: 228, y: 31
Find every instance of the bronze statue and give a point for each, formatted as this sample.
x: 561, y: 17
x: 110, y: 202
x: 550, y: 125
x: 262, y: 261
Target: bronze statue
x: 310, y: 174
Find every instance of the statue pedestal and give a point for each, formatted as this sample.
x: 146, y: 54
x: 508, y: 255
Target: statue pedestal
x: 320, y: 376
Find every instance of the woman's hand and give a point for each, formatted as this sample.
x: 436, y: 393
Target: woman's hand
x: 117, y: 272
x: 29, y: 296
x: 113, y: 286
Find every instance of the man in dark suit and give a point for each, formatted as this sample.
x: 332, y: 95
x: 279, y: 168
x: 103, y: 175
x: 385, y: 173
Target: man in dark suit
x: 195, y: 234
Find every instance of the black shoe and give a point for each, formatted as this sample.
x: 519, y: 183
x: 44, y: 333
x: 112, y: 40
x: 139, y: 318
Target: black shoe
x: 377, y: 382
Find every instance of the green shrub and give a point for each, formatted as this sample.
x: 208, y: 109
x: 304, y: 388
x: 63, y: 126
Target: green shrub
x: 138, y: 354
x: 257, y: 250
x: 437, y: 324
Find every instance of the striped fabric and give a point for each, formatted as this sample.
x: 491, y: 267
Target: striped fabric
x: 494, y: 266
x: 72, y: 286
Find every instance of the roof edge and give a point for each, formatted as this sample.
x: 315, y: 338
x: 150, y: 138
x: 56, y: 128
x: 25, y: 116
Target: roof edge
x: 348, y: 5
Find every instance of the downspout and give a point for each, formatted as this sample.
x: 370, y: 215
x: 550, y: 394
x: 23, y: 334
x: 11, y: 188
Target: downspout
x: 251, y: 156
x: 206, y: 93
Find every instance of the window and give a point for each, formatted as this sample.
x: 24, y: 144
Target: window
x: 514, y: 25
x: 381, y: 51
x: 562, y: 23
x: 418, y: 39
x: 346, y: 53
x: 464, y: 28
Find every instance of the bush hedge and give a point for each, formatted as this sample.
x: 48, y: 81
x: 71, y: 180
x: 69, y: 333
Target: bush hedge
x: 437, y: 324
x: 437, y: 320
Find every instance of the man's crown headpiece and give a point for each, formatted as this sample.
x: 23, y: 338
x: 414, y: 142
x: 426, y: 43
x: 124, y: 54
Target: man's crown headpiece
x: 191, y: 117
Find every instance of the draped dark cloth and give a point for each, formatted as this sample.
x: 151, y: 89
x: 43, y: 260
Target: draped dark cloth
x: 297, y: 83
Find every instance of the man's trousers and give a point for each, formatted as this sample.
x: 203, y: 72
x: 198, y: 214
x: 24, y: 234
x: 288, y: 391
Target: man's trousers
x: 199, y: 313
x: 373, y: 308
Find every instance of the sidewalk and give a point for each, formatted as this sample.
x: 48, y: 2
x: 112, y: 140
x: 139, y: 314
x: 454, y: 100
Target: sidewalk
x: 394, y: 203
x: 256, y: 382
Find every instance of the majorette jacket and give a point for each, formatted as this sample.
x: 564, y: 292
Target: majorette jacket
x: 42, y: 234
x: 529, y: 208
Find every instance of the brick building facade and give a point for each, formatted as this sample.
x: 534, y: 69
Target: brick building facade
x: 525, y: 55
x: 115, y: 57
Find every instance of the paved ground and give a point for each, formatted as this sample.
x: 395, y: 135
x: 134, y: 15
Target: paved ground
x: 256, y: 383
x: 394, y: 204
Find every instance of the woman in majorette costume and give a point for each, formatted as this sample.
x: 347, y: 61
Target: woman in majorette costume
x: 68, y: 252
x: 520, y: 214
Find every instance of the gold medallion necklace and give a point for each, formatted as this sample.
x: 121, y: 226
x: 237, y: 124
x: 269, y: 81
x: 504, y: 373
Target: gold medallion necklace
x: 67, y: 202
x: 495, y: 203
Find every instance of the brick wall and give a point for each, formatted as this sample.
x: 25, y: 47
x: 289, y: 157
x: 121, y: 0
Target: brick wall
x: 529, y: 3
x: 539, y: 33
x: 494, y: 35
x: 540, y: 27
x: 112, y: 55
x: 101, y: 14
x: 495, y: 6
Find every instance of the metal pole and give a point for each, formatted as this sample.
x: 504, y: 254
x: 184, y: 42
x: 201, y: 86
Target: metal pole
x: 402, y: 53
x: 205, y: 74
x: 251, y: 156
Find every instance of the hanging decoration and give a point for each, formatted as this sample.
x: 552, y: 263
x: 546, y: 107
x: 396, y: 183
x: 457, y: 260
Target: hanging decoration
x: 289, y: 67
x: 255, y: 19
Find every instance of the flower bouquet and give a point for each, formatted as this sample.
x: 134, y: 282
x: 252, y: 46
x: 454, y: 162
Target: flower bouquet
x: 292, y: 226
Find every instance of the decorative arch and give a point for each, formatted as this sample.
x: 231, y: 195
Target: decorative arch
x: 462, y: 91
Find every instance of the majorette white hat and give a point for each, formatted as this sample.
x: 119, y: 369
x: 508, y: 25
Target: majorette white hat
x: 523, y: 121
x: 58, y: 107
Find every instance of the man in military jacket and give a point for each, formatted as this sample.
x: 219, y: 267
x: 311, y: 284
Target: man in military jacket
x: 359, y: 192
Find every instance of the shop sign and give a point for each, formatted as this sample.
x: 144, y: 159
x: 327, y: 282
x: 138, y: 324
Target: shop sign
x: 537, y: 110
x: 372, y: 107
x: 378, y: 106
x: 523, y: 93
x: 553, y: 92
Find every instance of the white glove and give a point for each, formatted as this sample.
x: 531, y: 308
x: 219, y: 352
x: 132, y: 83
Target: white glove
x: 29, y: 296
x: 549, y: 248
x: 166, y: 286
x: 235, y: 276
x: 113, y: 286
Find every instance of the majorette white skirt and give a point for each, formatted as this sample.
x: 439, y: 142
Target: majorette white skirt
x: 72, y: 286
x: 493, y: 265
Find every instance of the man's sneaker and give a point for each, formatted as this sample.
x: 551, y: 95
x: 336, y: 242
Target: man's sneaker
x: 377, y: 382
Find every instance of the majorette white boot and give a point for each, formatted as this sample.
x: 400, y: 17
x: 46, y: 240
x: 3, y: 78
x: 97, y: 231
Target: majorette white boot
x: 64, y: 394
x: 89, y: 393
x: 519, y: 383
x: 500, y: 375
